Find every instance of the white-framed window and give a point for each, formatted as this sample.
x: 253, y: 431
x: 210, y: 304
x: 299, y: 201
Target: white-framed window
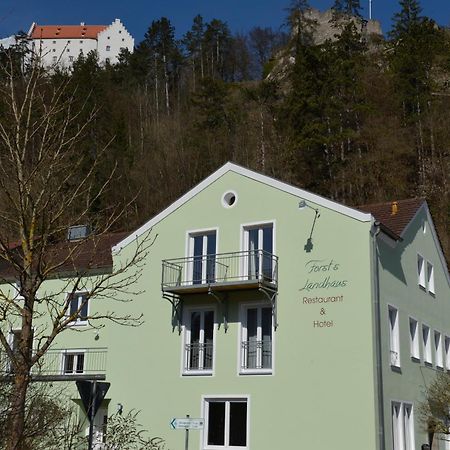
x: 438, y: 349
x: 79, y: 307
x: 55, y: 59
x: 73, y: 362
x: 426, y: 341
x: 71, y: 58
x: 259, y: 245
x: 402, y: 426
x: 226, y: 423
x: 421, y: 271
x: 447, y: 352
x: 198, y: 351
x: 414, y: 338
x: 108, y: 48
x: 430, y: 278
x: 256, y: 346
x: 202, y: 257
x: 394, y: 336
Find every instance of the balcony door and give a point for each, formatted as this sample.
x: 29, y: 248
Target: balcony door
x: 258, y: 242
x: 202, y: 248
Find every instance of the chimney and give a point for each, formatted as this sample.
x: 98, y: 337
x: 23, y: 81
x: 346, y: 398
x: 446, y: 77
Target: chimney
x: 394, y: 208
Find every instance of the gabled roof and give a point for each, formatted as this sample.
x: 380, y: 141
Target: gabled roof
x: 264, y: 179
x: 66, y: 31
x: 395, y: 216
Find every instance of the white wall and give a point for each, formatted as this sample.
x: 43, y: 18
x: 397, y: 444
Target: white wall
x: 64, y: 52
x: 115, y: 37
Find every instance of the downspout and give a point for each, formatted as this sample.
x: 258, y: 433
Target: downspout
x: 377, y: 310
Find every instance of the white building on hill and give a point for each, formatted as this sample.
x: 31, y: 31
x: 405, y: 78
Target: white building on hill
x: 62, y: 44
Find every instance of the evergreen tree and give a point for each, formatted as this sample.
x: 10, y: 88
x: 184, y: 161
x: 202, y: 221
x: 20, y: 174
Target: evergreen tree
x: 347, y: 7
x: 407, y: 19
x: 193, y: 42
x: 301, y: 24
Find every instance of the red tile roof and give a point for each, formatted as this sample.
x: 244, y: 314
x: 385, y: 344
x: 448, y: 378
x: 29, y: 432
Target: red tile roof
x: 394, y: 216
x: 92, y: 253
x: 67, y: 31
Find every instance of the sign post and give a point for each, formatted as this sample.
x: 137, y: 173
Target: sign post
x: 186, y: 424
x: 92, y: 394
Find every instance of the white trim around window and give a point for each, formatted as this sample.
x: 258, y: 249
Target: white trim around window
x: 244, y: 243
x: 421, y: 271
x: 426, y: 343
x: 438, y: 349
x: 256, y: 353
x: 226, y: 435
x: 78, y: 296
x: 430, y: 278
x: 199, y: 357
x: 394, y: 336
x: 73, y: 362
x: 402, y: 425
x: 414, y: 338
x: 447, y: 352
x: 189, y: 250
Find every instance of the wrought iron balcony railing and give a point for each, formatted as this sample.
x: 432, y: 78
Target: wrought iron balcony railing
x: 64, y: 363
x: 199, y: 357
x: 256, y: 355
x: 224, y: 270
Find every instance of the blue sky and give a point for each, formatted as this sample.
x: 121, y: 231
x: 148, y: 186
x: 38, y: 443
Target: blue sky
x: 241, y: 15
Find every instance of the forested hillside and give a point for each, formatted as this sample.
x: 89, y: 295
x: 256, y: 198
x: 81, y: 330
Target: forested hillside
x: 358, y: 119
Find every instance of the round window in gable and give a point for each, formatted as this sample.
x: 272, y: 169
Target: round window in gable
x: 229, y: 199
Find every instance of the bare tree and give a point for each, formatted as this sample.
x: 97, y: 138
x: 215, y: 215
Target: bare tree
x: 46, y: 186
x: 435, y: 409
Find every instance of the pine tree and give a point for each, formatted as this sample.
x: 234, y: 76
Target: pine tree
x: 347, y: 7
x: 301, y: 23
x: 407, y: 18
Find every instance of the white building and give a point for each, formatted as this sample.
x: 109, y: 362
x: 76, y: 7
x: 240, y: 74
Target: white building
x: 62, y: 44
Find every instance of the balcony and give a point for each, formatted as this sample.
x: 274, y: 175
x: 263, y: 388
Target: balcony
x: 220, y: 272
x: 64, y: 365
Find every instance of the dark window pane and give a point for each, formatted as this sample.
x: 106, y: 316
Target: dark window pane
x: 194, y: 349
x: 209, y: 333
x: 211, y: 244
x: 73, y: 304
x: 216, y: 423
x: 238, y: 424
x: 84, y: 308
x: 252, y: 323
x: 80, y: 363
x: 268, y: 239
x: 68, y: 363
x: 198, y: 260
x: 266, y: 325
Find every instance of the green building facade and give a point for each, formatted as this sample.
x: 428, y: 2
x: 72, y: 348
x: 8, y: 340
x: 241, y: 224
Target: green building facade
x: 278, y: 318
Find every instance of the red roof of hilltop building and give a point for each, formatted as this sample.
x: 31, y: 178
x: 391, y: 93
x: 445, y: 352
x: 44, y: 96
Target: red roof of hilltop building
x: 81, y: 31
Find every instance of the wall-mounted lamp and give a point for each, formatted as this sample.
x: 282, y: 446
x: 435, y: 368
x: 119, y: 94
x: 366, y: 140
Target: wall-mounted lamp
x: 302, y: 205
x: 119, y: 408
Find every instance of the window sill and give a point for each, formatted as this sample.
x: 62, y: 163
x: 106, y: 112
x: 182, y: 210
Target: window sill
x: 78, y: 324
x: 197, y: 373
x: 428, y: 364
x: 440, y: 368
x: 396, y: 369
x: 432, y: 294
x: 423, y: 288
x: 415, y: 359
x: 256, y: 372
